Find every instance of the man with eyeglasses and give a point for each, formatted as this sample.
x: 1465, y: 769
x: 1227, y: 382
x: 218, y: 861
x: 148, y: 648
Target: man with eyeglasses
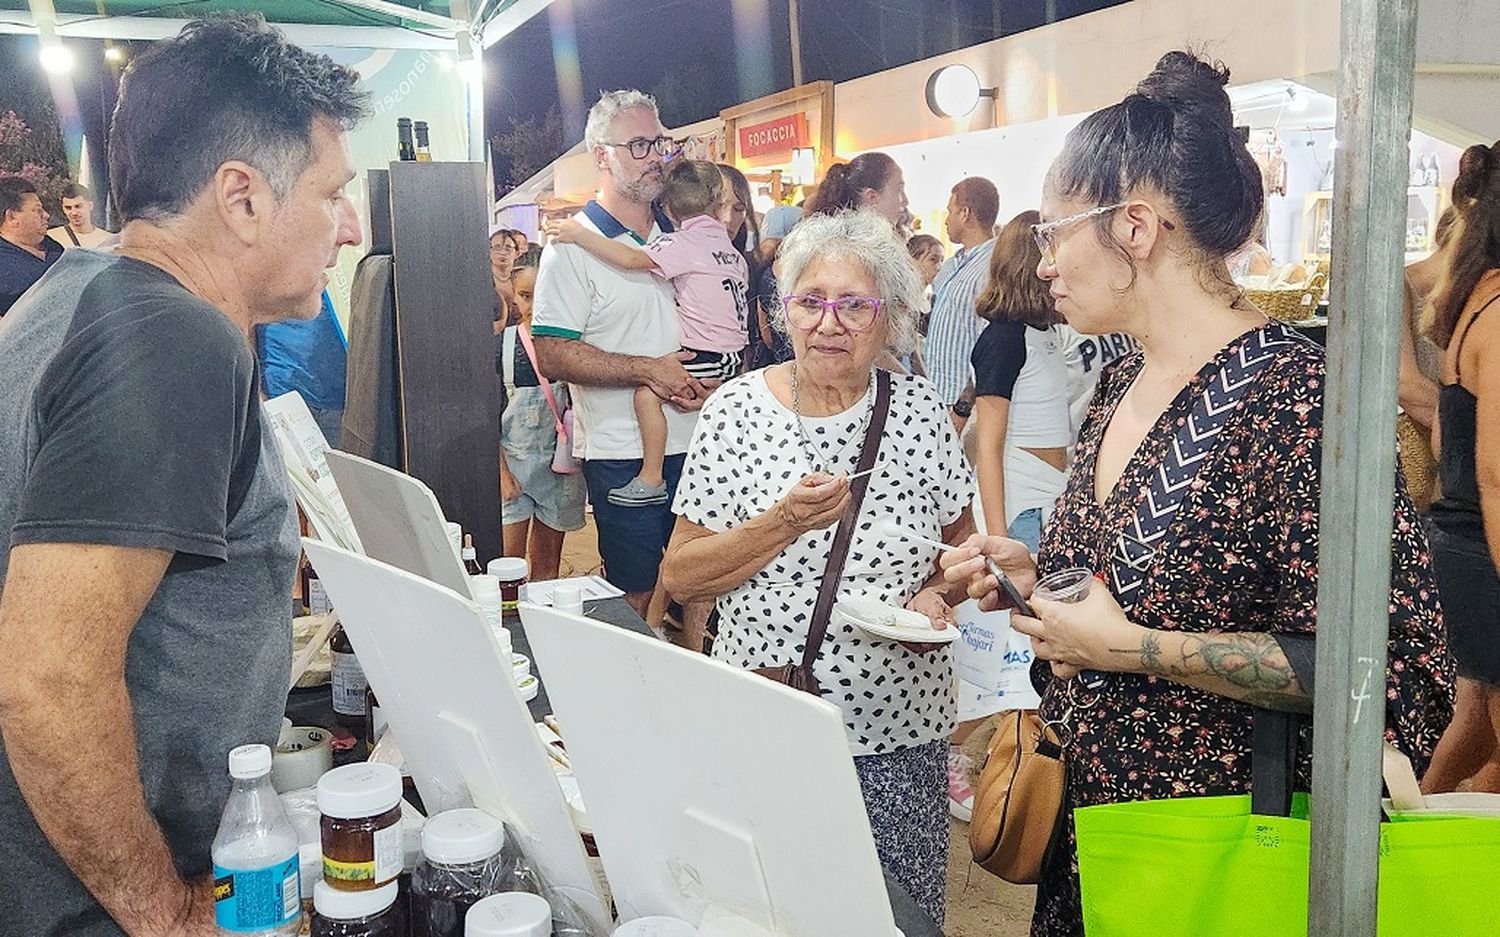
x: 607, y: 331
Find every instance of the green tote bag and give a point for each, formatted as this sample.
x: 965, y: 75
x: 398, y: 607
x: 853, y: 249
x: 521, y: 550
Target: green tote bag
x: 1218, y: 867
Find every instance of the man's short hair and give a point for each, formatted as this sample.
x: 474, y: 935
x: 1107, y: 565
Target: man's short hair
x: 226, y: 88
x: 77, y: 190
x: 981, y: 197
x: 13, y: 192
x: 609, y: 106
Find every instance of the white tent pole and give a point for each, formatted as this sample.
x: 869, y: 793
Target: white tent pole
x: 150, y: 28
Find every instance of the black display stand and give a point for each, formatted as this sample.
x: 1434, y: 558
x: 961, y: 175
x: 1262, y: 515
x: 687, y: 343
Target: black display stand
x: 432, y: 216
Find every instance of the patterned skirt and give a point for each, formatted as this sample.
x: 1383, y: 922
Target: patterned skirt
x: 906, y: 796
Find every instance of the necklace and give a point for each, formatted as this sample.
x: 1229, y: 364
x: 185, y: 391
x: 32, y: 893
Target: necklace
x: 818, y: 464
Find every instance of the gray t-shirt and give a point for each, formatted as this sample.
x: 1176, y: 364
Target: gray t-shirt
x: 130, y: 417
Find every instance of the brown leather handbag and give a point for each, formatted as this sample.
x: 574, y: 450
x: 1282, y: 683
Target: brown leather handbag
x: 799, y: 676
x: 1018, y: 800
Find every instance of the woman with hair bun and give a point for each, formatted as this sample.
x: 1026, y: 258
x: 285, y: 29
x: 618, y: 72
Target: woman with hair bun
x: 870, y: 180
x: 1205, y: 613
x: 1464, y: 317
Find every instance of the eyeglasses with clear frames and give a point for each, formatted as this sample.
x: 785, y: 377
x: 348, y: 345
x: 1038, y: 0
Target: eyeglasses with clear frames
x: 1045, y: 234
x: 640, y: 146
x: 852, y: 313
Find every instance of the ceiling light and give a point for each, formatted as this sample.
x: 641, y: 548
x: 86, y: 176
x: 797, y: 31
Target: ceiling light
x: 56, y: 59
x: 954, y: 91
x: 114, y: 54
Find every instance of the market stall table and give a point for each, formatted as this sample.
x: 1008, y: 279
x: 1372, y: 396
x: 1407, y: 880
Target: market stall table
x: 313, y: 707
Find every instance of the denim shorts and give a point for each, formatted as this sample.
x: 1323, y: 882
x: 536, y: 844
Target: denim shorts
x: 631, y: 540
x: 552, y: 499
x: 1027, y: 528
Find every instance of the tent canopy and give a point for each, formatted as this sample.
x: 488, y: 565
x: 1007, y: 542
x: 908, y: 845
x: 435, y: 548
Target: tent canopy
x: 370, y: 23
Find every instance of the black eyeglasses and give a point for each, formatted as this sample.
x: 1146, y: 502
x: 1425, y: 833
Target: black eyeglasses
x: 640, y: 146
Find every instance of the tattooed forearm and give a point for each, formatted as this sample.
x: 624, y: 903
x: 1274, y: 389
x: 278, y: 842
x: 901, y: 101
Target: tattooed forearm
x: 1246, y: 666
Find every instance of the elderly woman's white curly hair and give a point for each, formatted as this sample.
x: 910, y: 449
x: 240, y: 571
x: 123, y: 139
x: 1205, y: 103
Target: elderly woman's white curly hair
x: 867, y: 239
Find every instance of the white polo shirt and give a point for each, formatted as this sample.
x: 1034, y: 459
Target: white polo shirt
x: 579, y: 296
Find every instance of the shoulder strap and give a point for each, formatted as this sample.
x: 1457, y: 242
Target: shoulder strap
x: 508, y: 357
x: 829, y: 589
x: 1188, y: 452
x: 540, y: 378
x: 1458, y: 354
x: 71, y: 236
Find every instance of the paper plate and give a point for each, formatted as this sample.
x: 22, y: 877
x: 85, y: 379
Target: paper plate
x: 875, y: 617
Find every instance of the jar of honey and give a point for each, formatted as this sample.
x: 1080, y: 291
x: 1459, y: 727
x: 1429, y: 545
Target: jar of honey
x: 361, y: 826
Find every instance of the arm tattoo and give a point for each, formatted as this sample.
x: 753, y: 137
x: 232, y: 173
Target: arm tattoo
x: 1244, y: 665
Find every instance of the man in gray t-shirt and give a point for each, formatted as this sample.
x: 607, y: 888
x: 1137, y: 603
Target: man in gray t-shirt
x: 149, y: 540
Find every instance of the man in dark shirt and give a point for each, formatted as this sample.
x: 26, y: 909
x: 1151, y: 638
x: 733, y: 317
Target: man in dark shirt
x: 25, y: 249
x: 149, y: 537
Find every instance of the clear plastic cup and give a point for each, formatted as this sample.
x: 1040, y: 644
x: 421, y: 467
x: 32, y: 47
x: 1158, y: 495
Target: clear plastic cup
x: 1065, y: 585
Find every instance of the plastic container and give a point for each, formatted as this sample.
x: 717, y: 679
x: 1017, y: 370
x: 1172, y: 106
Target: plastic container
x: 257, y: 883
x: 486, y: 592
x: 372, y: 913
x: 455, y: 537
x: 528, y: 687
x: 512, y: 571
x: 568, y: 599
x: 656, y: 926
x: 516, y: 914
x: 361, y: 826
x: 462, y: 862
x: 1066, y: 585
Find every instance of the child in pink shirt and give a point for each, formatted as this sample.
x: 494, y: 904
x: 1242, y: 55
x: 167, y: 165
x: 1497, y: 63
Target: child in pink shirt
x: 710, y: 279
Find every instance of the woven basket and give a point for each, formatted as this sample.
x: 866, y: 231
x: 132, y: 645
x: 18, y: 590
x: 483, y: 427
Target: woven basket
x: 1291, y: 305
x: 1417, y: 461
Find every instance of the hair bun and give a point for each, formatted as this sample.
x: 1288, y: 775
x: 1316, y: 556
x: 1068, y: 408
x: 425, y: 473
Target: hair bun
x: 1183, y: 81
x: 1474, y: 169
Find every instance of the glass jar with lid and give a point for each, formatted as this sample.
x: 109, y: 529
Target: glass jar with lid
x: 374, y: 912
x: 462, y: 862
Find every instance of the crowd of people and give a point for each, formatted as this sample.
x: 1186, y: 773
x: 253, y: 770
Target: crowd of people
x: 718, y: 377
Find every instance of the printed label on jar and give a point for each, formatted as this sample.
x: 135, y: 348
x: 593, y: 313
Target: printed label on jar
x: 389, y: 860
x: 249, y: 900
x: 348, y: 685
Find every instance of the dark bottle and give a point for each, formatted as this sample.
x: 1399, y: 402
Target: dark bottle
x: 374, y: 720
x: 471, y: 557
x: 348, y: 683
x: 407, y: 149
x: 424, y: 150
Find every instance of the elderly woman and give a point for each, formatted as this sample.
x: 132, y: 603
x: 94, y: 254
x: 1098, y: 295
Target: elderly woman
x: 1209, y: 612
x: 767, y: 481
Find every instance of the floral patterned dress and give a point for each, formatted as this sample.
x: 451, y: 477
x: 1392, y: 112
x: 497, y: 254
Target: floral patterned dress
x: 1242, y: 555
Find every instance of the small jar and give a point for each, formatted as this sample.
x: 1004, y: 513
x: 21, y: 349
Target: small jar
x: 361, y: 826
x: 514, y: 914
x: 461, y: 863
x: 486, y: 592
x: 372, y: 913
x: 512, y: 571
x: 656, y: 926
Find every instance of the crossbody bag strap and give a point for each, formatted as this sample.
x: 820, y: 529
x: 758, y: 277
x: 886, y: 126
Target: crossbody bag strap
x: 1190, y: 450
x: 508, y: 358
x: 829, y: 589
x: 541, y: 378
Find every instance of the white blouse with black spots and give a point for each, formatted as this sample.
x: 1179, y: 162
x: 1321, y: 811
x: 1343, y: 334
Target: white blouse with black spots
x: 745, y: 455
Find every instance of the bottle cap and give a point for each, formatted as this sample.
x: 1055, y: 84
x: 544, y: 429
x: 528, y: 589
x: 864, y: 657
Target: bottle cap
x: 458, y: 837
x: 249, y: 762
x: 359, y: 790
x: 567, y: 599
x: 342, y: 905
x: 514, y: 914
x: 485, y: 588
x: 656, y: 926
x: 509, y: 568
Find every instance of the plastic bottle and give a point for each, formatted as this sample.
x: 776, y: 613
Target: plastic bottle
x: 257, y: 882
